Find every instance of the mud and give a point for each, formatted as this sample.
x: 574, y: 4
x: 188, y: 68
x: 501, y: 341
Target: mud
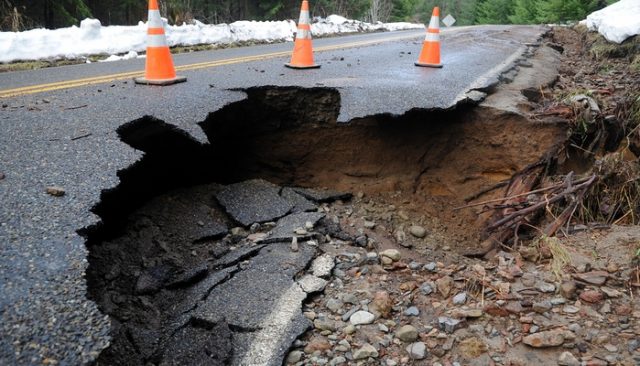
x: 164, y: 252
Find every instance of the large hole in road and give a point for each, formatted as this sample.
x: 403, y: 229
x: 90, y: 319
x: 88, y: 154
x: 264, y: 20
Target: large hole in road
x: 186, y: 279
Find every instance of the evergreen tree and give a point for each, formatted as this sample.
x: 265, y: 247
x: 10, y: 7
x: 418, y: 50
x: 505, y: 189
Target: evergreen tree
x: 468, y: 12
x: 525, y: 12
x: 555, y: 11
x: 403, y: 10
x: 494, y: 11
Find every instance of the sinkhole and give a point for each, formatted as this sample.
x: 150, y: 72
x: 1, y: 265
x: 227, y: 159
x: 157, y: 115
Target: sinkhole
x: 195, y: 250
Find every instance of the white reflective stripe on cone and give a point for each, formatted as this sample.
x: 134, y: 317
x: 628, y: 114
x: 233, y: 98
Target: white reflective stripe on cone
x: 154, y: 19
x: 156, y: 40
x: 304, y: 17
x: 434, y: 23
x: 432, y: 37
x: 303, y: 34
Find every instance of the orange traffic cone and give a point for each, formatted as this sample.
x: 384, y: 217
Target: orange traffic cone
x: 430, y: 55
x: 302, y: 57
x: 159, y: 68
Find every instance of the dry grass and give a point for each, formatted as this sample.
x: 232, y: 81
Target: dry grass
x: 559, y: 255
x: 600, y: 48
x: 635, y: 64
x: 11, y: 19
x: 472, y: 348
x: 615, y: 197
x: 42, y: 64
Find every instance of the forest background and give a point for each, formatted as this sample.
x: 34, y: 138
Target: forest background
x: 18, y: 15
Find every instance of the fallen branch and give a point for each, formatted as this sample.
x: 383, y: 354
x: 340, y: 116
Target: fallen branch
x: 571, y: 189
x: 81, y: 136
x: 540, y: 190
x: 78, y: 107
x: 482, y: 192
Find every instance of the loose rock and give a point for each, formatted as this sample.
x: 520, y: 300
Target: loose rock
x: 431, y: 266
x: 418, y: 231
x: 460, y: 298
x: 417, y: 351
x: 364, y: 352
x: 610, y: 292
x: 392, y: 254
x: 426, y: 289
x: 362, y: 317
x: 449, y: 325
x: 542, y: 306
x: 597, y: 278
x: 568, y: 290
x: 551, y: 338
x: 334, y: 305
x: 546, y: 287
x: 591, y: 296
x: 294, y: 356
x: 317, y: 344
x: 444, y: 285
x: 568, y: 359
x: 311, y: 284
x: 382, y: 304
x: 56, y: 191
x: 407, y: 333
x: 325, y: 324
x: 412, y: 311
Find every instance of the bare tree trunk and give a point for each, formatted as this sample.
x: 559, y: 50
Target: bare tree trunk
x: 380, y: 10
x: 48, y: 14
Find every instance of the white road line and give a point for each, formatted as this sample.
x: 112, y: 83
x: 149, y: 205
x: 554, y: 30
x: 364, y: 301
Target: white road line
x: 269, y: 338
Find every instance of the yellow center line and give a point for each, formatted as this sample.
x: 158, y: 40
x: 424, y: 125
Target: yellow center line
x: 67, y: 84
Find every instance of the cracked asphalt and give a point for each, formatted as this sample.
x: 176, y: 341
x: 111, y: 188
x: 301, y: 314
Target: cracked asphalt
x: 67, y: 138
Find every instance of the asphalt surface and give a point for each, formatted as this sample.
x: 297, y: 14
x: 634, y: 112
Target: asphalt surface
x: 59, y: 136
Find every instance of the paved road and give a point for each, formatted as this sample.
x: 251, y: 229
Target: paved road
x: 63, y: 134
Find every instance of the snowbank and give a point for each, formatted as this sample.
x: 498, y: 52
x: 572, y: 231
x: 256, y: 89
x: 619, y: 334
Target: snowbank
x: 617, y: 21
x: 91, y: 38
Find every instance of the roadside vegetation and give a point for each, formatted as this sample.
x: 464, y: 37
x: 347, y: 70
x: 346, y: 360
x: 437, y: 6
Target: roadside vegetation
x: 17, y: 15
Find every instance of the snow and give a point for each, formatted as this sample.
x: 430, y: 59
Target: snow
x: 128, y: 56
x: 91, y: 38
x: 617, y: 22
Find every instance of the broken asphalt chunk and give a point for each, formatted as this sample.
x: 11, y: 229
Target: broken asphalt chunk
x: 152, y: 280
x: 286, y: 227
x: 182, y: 215
x: 196, y: 345
x: 238, y: 255
x: 322, y: 196
x: 190, y: 276
x: 323, y: 265
x: 299, y: 202
x: 253, y: 201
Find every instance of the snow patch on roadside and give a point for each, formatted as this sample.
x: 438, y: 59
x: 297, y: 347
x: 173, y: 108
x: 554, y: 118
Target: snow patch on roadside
x: 91, y: 38
x: 616, y: 22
